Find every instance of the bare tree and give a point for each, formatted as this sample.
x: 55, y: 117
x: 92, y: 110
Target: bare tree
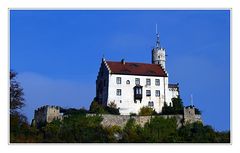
x: 16, y: 94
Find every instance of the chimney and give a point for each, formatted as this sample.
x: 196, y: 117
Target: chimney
x: 123, y: 61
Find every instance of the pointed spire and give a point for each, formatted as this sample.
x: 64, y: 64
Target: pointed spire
x: 191, y: 99
x: 158, y: 39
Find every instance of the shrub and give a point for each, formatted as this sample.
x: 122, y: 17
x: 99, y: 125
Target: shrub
x: 146, y: 111
x: 95, y: 107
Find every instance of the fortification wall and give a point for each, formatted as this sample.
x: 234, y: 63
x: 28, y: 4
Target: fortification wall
x: 190, y: 116
x: 53, y: 112
x: 46, y: 114
x: 121, y: 120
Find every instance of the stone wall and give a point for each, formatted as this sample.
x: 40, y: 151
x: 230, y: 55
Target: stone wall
x: 46, y: 114
x: 190, y: 116
x: 121, y: 120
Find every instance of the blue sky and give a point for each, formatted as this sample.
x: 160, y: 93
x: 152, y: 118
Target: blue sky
x: 57, y: 54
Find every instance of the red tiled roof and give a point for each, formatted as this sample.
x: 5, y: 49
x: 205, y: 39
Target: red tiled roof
x: 129, y: 68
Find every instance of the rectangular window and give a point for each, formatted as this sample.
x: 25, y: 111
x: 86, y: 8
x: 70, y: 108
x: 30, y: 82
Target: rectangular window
x: 148, y: 92
x: 118, y: 80
x: 148, y: 82
x: 157, y: 93
x: 137, y: 81
x: 119, y: 92
x: 150, y: 104
x: 157, y: 82
x: 138, y: 91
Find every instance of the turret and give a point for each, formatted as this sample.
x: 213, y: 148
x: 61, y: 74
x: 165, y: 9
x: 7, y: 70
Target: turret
x: 158, y: 53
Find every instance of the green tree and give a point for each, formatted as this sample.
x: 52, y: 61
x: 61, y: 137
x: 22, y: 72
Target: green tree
x: 19, y: 127
x: 95, y: 107
x: 146, y: 111
x: 112, y: 109
x: 132, y: 132
x: 176, y: 108
x: 81, y: 128
x: 73, y: 111
x: 16, y: 94
x: 160, y: 130
x: 114, y: 133
x: 52, y: 131
x: 197, y: 132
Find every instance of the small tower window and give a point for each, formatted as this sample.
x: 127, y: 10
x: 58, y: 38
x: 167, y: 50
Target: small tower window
x: 127, y: 82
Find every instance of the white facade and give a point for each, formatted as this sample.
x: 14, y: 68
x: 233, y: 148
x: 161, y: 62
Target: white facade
x: 159, y: 57
x: 126, y: 101
x: 173, y: 91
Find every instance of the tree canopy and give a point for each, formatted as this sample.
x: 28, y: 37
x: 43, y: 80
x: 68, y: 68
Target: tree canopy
x: 16, y: 94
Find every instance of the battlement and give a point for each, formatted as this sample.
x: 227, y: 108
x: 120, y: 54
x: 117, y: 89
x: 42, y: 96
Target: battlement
x: 44, y: 108
x: 46, y: 114
x: 190, y: 116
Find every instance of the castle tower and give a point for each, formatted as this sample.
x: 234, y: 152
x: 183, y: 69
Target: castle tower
x: 158, y: 53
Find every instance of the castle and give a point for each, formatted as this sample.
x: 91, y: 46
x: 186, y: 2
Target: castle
x: 132, y: 85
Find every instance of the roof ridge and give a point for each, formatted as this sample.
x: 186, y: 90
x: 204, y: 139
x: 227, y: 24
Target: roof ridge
x: 135, y: 68
x: 133, y: 63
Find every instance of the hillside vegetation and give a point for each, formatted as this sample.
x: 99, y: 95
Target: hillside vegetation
x: 76, y: 127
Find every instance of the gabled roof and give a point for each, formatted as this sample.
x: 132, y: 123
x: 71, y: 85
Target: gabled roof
x: 129, y: 68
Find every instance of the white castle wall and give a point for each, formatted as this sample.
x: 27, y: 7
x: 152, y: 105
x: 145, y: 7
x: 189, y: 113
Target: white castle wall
x: 126, y: 100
